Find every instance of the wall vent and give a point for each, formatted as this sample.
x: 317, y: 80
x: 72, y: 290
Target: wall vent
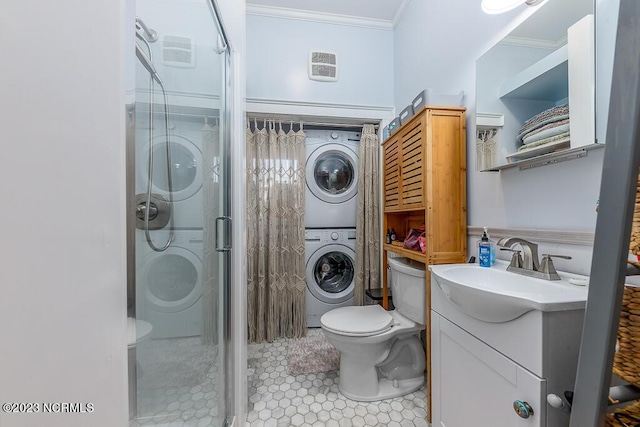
x: 178, y: 52
x: 323, y: 66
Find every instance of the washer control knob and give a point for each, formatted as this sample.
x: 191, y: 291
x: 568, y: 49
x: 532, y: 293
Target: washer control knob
x: 334, y: 236
x: 334, y: 135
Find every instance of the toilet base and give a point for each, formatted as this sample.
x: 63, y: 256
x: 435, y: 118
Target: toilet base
x: 386, y: 390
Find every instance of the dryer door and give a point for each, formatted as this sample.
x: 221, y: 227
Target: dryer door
x: 332, y: 173
x: 331, y: 273
x: 186, y: 167
x: 171, y: 281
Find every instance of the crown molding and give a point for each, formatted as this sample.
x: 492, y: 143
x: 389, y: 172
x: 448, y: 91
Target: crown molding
x: 400, y: 12
x: 321, y: 17
x: 534, y: 43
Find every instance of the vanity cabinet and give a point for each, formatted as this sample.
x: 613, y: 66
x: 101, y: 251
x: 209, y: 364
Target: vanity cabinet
x: 481, y: 368
x: 475, y: 385
x: 424, y: 183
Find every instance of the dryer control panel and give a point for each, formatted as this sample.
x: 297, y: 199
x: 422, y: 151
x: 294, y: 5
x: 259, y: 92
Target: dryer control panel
x: 330, y: 235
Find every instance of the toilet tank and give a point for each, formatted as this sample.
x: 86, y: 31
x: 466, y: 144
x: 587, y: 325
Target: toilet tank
x: 408, y: 287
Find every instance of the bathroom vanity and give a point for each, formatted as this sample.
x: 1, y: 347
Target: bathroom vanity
x: 501, y: 343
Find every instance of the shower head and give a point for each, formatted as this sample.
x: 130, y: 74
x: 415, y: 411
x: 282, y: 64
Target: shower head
x: 144, y: 59
x: 149, y: 34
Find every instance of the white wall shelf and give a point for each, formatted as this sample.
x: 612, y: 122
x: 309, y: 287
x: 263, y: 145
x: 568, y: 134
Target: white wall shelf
x: 549, y: 158
x: 546, y: 80
x: 491, y: 120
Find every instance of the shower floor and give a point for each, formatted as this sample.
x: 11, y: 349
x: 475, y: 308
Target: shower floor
x: 279, y: 399
x: 178, y: 383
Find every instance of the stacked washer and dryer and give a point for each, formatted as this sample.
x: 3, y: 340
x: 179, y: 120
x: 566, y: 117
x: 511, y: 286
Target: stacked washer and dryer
x: 330, y: 220
x: 169, y: 283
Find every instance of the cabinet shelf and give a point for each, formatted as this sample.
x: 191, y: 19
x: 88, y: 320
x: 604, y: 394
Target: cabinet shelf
x: 546, y: 80
x: 408, y: 253
x: 403, y: 209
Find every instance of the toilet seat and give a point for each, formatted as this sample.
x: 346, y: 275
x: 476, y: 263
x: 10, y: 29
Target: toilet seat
x: 357, y: 321
x: 137, y: 331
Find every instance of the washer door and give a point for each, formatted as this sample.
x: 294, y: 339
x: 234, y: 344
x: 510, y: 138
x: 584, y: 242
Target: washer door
x: 171, y: 280
x: 332, y: 173
x: 331, y: 273
x: 186, y: 167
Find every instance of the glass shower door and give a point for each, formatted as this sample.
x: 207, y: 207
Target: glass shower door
x: 182, y: 216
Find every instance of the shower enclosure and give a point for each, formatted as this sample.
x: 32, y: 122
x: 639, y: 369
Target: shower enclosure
x: 179, y: 224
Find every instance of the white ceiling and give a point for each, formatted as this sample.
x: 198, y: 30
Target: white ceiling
x: 551, y: 20
x: 384, y: 10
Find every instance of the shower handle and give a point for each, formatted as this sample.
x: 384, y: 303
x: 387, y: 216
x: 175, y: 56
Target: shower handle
x: 224, y: 232
x: 153, y: 211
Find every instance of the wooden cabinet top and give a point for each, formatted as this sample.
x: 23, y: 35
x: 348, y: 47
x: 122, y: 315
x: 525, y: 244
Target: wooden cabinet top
x: 417, y: 116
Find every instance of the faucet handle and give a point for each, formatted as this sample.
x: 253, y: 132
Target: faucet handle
x: 516, y: 259
x: 547, y: 267
x: 556, y: 256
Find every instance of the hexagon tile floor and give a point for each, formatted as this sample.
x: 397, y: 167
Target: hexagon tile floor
x: 277, y: 399
x: 178, y: 384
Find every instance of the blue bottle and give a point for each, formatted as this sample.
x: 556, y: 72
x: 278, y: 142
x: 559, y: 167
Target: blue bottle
x: 484, y: 251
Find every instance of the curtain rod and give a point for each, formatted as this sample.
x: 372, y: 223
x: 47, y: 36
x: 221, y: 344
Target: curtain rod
x: 310, y: 123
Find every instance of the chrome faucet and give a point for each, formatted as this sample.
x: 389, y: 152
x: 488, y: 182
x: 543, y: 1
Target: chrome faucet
x: 529, y: 249
x: 529, y: 265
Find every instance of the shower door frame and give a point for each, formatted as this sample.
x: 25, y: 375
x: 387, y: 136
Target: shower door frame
x: 130, y: 216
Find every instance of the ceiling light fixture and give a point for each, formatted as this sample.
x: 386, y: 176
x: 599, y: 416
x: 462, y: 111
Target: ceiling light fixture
x: 500, y: 6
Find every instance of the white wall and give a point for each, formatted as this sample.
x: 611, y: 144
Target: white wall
x: 277, y: 55
x: 450, y: 39
x: 62, y: 180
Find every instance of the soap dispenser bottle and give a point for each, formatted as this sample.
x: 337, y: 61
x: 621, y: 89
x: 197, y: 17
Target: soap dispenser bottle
x: 484, y: 250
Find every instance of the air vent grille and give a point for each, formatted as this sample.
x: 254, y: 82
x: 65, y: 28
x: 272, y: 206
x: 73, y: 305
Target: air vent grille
x: 178, y: 52
x: 323, y: 66
x: 323, y: 71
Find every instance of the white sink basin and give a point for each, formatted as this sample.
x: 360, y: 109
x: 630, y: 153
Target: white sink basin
x: 496, y: 295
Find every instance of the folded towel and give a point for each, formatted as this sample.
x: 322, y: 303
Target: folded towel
x: 550, y: 129
x: 561, y: 110
x: 555, y: 139
x: 524, y: 131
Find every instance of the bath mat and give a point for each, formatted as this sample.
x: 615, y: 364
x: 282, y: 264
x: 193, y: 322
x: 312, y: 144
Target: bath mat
x: 174, y: 362
x: 312, y: 354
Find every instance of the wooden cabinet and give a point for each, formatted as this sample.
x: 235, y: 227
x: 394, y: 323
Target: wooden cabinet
x: 424, y: 181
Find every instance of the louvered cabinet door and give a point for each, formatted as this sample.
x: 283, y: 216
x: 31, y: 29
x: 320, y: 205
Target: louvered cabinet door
x: 391, y: 174
x: 412, y: 147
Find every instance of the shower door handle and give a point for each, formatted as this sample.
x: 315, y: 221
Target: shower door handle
x: 223, y: 233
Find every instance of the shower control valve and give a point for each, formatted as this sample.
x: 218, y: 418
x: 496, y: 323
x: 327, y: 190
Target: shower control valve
x: 142, y: 207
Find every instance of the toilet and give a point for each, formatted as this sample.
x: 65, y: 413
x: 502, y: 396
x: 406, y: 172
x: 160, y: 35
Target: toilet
x: 137, y: 332
x: 381, y: 355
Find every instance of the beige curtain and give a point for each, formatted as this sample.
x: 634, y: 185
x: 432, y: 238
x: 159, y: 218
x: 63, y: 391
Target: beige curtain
x: 275, y: 233
x: 368, y: 217
x: 211, y: 274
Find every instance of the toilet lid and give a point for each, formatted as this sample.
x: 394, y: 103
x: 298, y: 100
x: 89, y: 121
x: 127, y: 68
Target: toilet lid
x: 357, y: 321
x: 137, y: 331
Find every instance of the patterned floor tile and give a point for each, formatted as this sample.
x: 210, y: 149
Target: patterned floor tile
x: 193, y: 403
x: 282, y: 400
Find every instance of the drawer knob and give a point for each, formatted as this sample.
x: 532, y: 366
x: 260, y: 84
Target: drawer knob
x: 523, y: 409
